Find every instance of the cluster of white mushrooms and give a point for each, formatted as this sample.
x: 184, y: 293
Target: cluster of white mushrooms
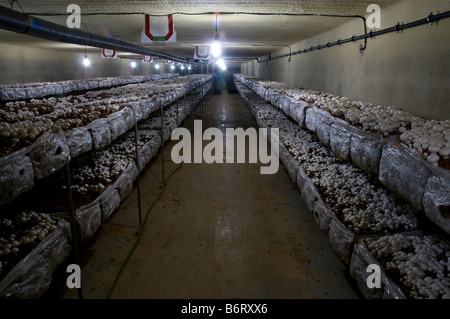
x: 22, y: 121
x: 422, y: 262
x: 154, y: 121
x: 366, y: 206
x: 431, y: 139
x: 385, y: 120
x: 21, y: 230
x: 104, y: 168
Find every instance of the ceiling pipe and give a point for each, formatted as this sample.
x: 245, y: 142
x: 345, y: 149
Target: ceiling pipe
x: 22, y: 23
x: 372, y: 34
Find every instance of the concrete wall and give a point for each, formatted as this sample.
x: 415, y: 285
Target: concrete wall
x: 409, y: 70
x: 19, y: 64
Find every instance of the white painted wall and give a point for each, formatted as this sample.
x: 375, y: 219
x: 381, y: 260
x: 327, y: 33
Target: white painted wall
x: 19, y: 64
x: 409, y: 71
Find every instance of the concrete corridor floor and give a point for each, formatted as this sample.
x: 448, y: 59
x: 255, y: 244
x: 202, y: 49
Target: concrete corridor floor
x: 218, y: 231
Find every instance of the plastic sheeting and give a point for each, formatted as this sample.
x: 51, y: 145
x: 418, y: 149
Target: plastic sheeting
x: 319, y: 122
x: 360, y: 260
x: 124, y: 184
x: 340, y: 141
x: 273, y: 96
x: 365, y: 152
x: 290, y: 164
x: 148, y: 106
x: 137, y: 111
x: 109, y: 202
x: 31, y: 276
x: 16, y: 177
x: 88, y: 219
x: 284, y: 104
x: 100, y: 133
x: 297, y: 112
x: 436, y: 201
x: 308, y: 190
x: 404, y: 172
x: 117, y: 125
x: 341, y: 239
x: 49, y: 154
x: 322, y: 216
x: 32, y: 90
x: 79, y: 141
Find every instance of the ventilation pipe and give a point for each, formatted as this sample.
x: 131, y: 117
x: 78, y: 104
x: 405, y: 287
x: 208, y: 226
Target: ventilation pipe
x: 22, y: 23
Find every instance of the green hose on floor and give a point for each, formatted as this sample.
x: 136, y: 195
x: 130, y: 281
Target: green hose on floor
x: 141, y: 232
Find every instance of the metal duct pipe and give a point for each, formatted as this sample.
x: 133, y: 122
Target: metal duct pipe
x: 22, y: 23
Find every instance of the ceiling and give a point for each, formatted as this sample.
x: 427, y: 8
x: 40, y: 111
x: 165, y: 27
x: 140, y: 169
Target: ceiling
x: 244, y: 32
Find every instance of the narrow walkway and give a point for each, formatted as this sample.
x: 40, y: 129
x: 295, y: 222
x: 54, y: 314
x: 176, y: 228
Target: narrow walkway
x: 219, y: 231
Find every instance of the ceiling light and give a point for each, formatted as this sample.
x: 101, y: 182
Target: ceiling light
x: 189, y: 67
x: 133, y: 64
x: 157, y: 66
x: 182, y: 67
x: 86, y: 61
x: 216, y: 50
x: 224, y: 67
x: 172, y: 67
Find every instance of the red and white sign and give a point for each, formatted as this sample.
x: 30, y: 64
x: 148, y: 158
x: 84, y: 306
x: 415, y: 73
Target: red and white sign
x: 202, y: 53
x: 147, y: 59
x: 109, y: 54
x: 170, y: 62
x: 158, y: 29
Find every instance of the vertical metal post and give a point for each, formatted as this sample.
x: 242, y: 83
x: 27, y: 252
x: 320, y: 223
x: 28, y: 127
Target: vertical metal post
x: 185, y: 108
x: 139, y: 174
x: 72, y: 223
x: 162, y: 143
x: 201, y: 110
x: 177, y: 112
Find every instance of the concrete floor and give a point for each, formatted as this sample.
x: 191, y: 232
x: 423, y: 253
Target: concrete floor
x: 218, y: 231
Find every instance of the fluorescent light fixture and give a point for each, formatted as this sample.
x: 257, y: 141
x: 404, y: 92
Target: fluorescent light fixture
x: 133, y: 64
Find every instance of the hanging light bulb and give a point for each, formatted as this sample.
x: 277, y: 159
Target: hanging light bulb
x: 133, y: 64
x: 216, y: 50
x: 220, y: 62
x: 86, y: 61
x: 157, y: 66
x: 172, y: 67
x: 189, y: 67
x: 182, y: 67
